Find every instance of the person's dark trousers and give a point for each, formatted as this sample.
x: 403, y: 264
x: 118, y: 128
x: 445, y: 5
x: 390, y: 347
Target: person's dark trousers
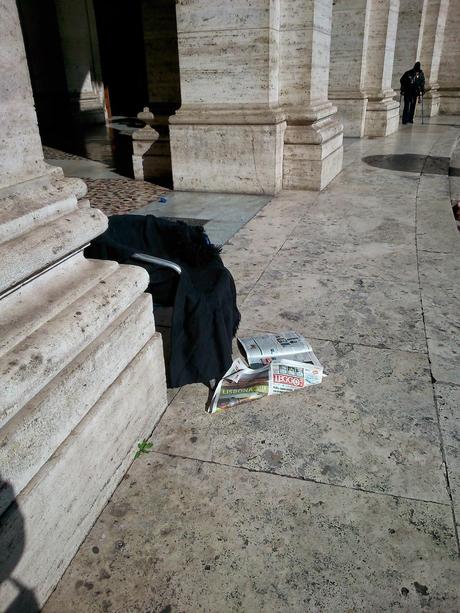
x: 409, y: 108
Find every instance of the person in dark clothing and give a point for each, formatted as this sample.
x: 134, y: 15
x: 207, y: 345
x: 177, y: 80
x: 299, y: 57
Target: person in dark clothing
x: 412, y: 87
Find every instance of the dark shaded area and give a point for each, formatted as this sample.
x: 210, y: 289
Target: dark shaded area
x: 47, y: 72
x: 139, y: 57
x: 121, y: 48
x: 410, y: 162
x: 12, y: 545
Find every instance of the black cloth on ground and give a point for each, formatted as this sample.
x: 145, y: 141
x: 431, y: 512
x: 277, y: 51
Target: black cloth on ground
x: 205, y: 314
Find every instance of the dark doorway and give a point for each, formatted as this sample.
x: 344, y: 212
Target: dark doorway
x: 46, y: 68
x: 121, y: 45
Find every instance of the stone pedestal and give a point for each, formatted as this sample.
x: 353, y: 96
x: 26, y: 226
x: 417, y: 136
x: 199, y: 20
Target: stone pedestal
x: 144, y: 160
x: 382, y: 115
x: 313, y: 149
x: 227, y: 150
x: 449, y: 78
x: 81, y: 365
x: 352, y: 107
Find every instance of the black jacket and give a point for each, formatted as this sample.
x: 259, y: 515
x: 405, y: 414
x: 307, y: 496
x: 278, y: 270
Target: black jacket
x: 205, y: 314
x: 413, y: 84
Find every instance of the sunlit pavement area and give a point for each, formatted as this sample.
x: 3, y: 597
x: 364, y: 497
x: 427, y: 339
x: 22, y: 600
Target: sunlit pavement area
x: 342, y: 497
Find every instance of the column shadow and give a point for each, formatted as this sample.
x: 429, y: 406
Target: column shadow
x: 12, y: 545
x: 411, y: 162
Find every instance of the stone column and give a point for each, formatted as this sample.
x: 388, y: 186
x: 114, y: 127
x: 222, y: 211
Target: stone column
x: 382, y: 114
x: 228, y: 134
x: 313, y: 141
x: 81, y: 366
x: 80, y: 48
x: 429, y: 51
x: 363, y: 44
x: 410, y: 26
x: 449, y: 70
x: 350, y: 30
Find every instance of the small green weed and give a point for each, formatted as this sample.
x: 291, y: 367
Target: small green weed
x: 143, y: 447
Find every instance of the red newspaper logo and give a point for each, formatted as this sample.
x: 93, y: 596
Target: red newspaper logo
x: 288, y: 380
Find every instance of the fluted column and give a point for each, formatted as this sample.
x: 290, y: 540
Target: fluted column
x: 313, y: 141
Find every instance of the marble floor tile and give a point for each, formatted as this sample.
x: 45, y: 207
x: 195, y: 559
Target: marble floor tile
x: 355, y: 246
x: 371, y: 424
x: 441, y: 308
x: 448, y: 397
x: 181, y: 535
x: 354, y: 310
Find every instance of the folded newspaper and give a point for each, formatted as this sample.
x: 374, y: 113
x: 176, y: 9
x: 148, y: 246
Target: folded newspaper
x: 276, y: 363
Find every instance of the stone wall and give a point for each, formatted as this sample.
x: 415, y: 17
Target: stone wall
x: 81, y: 365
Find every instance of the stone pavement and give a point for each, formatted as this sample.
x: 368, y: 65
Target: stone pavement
x: 339, y: 498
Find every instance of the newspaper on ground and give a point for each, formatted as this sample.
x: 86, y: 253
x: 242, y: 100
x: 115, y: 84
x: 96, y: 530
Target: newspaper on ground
x: 278, y: 363
x: 261, y: 350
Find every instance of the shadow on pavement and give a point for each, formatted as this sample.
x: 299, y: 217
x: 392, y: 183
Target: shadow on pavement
x: 411, y: 162
x: 12, y: 545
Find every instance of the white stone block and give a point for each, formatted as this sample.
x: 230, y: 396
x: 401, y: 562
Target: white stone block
x: 40, y: 535
x: 33, y: 435
x: 313, y: 154
x: 35, y: 361
x: 47, y: 243
x: 24, y: 311
x: 228, y: 158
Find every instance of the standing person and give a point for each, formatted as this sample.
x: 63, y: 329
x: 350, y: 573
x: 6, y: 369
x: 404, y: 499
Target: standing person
x: 412, y: 87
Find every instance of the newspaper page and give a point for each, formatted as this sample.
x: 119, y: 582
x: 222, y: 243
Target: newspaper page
x: 288, y: 376
x: 242, y: 384
x: 262, y: 349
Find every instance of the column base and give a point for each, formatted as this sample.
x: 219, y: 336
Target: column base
x: 227, y: 150
x: 431, y: 104
x: 313, y: 154
x: 352, y: 113
x: 382, y: 117
x: 450, y: 101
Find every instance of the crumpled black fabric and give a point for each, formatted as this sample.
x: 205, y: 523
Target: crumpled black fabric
x: 205, y: 313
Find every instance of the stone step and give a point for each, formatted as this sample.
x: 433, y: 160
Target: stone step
x: 25, y: 310
x: 58, y: 507
x: 36, y: 202
x: 34, y: 434
x: 23, y: 256
x: 33, y: 363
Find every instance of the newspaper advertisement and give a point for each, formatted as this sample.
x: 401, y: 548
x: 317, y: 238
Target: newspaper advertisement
x: 243, y: 383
